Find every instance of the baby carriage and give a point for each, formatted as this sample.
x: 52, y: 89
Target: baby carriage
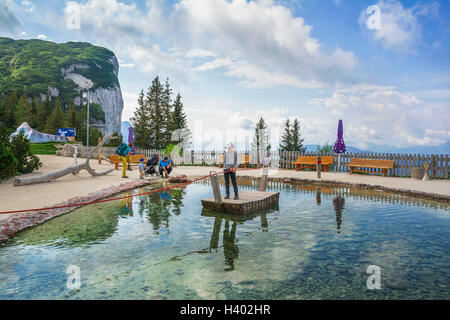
x: 152, y: 166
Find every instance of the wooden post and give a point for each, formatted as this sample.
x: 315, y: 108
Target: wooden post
x: 216, y: 187
x: 426, y: 177
x: 262, y: 186
x: 99, y: 151
x: 319, y: 167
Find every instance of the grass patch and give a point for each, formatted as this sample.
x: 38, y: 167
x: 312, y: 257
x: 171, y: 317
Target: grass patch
x: 45, y: 148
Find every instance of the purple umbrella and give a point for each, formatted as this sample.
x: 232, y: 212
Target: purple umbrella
x: 339, y: 146
x: 131, y: 139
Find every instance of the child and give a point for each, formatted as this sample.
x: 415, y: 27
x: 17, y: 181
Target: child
x: 141, y: 168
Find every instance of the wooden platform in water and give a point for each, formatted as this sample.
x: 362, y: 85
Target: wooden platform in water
x: 249, y: 201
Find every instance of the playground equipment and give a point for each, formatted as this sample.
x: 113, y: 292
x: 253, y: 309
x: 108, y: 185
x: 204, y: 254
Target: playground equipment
x: 74, y: 169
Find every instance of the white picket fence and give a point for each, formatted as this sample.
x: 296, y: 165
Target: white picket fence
x: 439, y: 164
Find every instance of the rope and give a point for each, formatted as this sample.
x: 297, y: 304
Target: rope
x: 120, y: 198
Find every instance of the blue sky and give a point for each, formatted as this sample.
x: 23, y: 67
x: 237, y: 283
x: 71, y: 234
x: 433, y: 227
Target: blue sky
x: 234, y: 61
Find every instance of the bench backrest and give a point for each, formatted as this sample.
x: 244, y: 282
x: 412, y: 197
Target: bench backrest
x: 313, y: 159
x: 243, y: 158
x: 134, y: 158
x: 372, y: 162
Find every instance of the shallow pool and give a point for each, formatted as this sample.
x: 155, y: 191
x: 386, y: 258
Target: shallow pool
x: 317, y: 244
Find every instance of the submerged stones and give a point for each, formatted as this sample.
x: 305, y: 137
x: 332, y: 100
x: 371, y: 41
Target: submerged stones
x: 17, y: 222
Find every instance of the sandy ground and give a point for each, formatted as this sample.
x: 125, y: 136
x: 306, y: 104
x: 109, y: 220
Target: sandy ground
x: 47, y: 194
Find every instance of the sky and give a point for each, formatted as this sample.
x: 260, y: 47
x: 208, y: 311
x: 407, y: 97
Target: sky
x: 383, y: 67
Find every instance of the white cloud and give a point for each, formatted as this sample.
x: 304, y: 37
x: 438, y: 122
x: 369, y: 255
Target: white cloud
x: 262, y: 40
x: 41, y: 37
x: 259, y: 43
x: 9, y: 24
x: 384, y: 115
x: 400, y: 29
x: 29, y: 6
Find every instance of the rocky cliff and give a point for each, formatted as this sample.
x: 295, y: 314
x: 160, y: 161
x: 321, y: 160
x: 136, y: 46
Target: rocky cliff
x: 65, y: 71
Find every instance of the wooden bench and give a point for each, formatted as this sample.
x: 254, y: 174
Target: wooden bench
x: 309, y: 162
x: 134, y: 160
x: 383, y: 165
x: 244, y: 160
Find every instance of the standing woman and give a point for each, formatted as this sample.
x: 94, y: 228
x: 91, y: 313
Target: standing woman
x: 230, y: 165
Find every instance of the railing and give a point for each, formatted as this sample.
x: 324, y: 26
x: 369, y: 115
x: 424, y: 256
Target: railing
x: 439, y: 164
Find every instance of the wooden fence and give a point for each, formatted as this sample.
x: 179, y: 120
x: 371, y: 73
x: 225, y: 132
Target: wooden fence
x: 439, y: 164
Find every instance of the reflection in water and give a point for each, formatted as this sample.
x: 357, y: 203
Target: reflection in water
x: 230, y: 248
x: 158, y: 207
x: 339, y: 206
x: 126, y: 206
x: 318, y: 199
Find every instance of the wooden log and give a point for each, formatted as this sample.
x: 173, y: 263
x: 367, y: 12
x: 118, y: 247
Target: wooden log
x: 74, y: 169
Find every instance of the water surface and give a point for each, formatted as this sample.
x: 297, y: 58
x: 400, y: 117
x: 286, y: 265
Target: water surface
x: 317, y: 244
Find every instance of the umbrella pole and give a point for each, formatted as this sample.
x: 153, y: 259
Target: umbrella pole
x: 339, y: 162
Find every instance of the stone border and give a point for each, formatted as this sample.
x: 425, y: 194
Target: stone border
x: 18, y: 222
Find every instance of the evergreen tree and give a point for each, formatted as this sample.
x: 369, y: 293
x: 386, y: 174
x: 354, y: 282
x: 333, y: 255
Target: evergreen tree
x: 166, y: 106
x: 56, y: 120
x: 34, y: 107
x: 179, y: 122
x: 44, y: 112
x: 261, y: 139
x: 22, y: 112
x: 141, y: 123
x: 286, y: 139
x: 297, y: 140
x: 154, y: 102
x: 7, y: 110
x: 72, y: 119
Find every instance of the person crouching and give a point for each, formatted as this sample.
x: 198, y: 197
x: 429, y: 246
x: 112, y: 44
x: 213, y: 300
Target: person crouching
x: 165, y: 166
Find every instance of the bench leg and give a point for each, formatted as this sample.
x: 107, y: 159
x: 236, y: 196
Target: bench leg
x: 116, y: 166
x: 385, y: 172
x: 351, y: 170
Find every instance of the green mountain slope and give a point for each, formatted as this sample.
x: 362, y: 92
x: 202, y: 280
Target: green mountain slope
x: 36, y: 65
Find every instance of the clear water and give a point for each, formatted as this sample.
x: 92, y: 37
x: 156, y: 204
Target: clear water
x: 316, y: 245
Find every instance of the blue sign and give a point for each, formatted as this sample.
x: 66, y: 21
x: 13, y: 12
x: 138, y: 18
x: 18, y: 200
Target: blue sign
x: 66, y: 132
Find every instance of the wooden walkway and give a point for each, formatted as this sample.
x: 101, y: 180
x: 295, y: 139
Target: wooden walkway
x: 249, y: 201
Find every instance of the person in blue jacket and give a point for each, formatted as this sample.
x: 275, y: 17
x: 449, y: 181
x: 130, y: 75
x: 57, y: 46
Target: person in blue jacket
x: 165, y: 166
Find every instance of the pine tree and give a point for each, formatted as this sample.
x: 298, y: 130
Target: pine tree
x: 7, y: 110
x: 166, y: 106
x: 179, y: 123
x: 156, y: 114
x: 72, y: 119
x: 261, y: 139
x: 22, y: 112
x: 141, y: 123
x: 56, y: 120
x: 297, y: 140
x: 34, y: 107
x: 286, y: 139
x: 43, y: 113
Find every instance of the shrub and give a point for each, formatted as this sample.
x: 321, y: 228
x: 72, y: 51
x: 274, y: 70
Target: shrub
x: 26, y: 161
x: 8, y: 162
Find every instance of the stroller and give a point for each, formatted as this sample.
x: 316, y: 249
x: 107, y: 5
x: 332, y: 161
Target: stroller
x: 152, y: 166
